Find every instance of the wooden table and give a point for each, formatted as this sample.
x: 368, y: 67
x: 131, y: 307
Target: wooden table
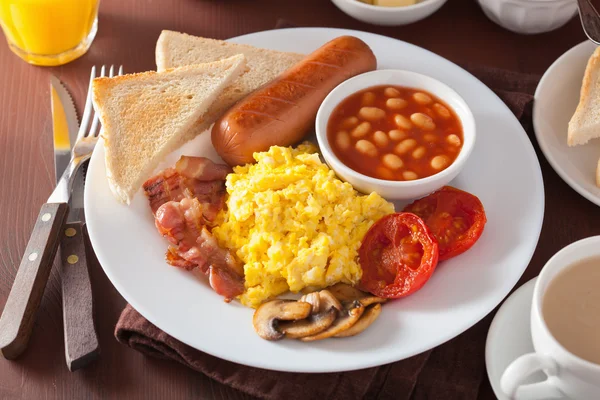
x: 127, y: 34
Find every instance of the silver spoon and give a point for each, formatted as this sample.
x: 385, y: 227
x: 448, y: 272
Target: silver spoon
x: 590, y: 20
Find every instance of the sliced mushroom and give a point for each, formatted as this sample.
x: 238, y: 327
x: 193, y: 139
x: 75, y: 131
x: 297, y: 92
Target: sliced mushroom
x: 344, y: 292
x: 325, y: 309
x: 267, y: 316
x: 314, y: 299
x: 368, y: 317
x: 310, y: 326
x: 367, y: 301
x: 310, y: 289
x: 328, y: 300
x: 348, y: 317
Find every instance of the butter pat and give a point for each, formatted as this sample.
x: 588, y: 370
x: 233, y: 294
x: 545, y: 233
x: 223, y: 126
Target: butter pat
x: 394, y: 3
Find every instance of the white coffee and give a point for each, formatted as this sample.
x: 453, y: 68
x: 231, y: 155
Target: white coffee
x: 571, y: 309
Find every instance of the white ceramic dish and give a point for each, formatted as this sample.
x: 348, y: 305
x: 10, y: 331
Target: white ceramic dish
x: 529, y: 16
x: 396, y: 190
x: 556, y: 99
x: 389, y: 16
x: 509, y: 337
x: 461, y: 292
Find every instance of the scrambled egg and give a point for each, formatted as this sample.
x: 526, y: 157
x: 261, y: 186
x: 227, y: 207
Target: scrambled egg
x: 293, y: 224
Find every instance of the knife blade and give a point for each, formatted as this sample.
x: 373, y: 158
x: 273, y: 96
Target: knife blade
x: 81, y: 340
x: 60, y: 128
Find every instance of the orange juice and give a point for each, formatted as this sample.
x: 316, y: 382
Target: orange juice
x: 49, y: 32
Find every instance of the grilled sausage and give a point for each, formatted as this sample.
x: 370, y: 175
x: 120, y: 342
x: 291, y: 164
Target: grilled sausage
x: 282, y: 111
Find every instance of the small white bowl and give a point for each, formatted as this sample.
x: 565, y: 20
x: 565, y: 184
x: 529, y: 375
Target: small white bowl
x: 395, y: 190
x: 529, y: 16
x: 388, y: 16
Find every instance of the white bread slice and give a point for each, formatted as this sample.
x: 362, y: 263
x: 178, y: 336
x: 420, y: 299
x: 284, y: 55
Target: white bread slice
x: 144, y: 116
x: 174, y: 49
x: 585, y: 123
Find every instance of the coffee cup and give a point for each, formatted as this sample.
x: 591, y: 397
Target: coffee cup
x: 572, y: 371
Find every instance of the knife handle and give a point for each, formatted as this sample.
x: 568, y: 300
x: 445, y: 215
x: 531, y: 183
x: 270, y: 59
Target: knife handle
x: 27, y: 290
x: 81, y: 340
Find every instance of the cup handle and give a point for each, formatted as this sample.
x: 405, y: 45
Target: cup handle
x: 513, y: 377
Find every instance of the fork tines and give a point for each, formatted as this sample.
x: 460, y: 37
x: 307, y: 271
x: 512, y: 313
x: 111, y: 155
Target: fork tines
x: 87, y: 113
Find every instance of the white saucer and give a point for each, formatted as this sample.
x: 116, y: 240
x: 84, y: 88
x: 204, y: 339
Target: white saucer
x: 510, y: 337
x: 556, y: 99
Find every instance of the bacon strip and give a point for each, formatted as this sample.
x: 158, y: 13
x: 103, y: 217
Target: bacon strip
x: 225, y: 282
x: 170, y: 185
x: 202, y: 169
x: 185, y: 200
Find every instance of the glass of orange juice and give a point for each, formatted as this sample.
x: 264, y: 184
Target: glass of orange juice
x: 49, y: 32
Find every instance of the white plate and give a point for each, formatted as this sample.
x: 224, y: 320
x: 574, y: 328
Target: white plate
x: 502, y: 170
x: 556, y: 99
x: 509, y: 337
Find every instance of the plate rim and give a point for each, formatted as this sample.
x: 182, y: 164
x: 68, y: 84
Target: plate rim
x: 545, y: 80
x: 381, y: 360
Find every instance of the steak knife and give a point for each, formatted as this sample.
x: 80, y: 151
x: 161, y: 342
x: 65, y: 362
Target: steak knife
x: 81, y: 341
x: 18, y: 316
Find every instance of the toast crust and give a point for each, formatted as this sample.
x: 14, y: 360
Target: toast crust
x: 164, y: 59
x: 581, y: 130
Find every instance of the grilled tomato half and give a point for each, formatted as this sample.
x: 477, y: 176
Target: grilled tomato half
x: 456, y: 219
x: 398, y: 255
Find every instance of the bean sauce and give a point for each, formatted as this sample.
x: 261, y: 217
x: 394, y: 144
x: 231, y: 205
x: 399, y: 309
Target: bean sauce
x: 395, y: 133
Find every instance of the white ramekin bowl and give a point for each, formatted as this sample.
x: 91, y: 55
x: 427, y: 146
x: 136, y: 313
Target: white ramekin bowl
x: 396, y: 190
x: 388, y: 16
x: 529, y: 16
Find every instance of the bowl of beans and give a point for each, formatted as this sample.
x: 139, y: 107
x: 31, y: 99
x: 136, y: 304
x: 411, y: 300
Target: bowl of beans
x: 398, y: 133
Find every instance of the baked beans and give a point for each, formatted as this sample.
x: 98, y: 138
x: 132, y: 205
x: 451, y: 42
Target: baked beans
x: 349, y: 122
x: 421, y: 98
x: 419, y: 152
x: 402, y: 122
x: 381, y: 139
x: 368, y: 98
x: 343, y: 140
x: 371, y: 113
x: 423, y: 121
x: 395, y: 133
x: 391, y: 92
x: 392, y: 161
x: 430, y: 137
x: 361, y: 130
x: 396, y: 103
x: 453, y: 139
x: 409, y: 175
x: 367, y: 148
x: 405, y: 146
x: 442, y: 111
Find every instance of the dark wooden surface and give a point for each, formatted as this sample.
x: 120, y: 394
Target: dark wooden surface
x: 127, y: 34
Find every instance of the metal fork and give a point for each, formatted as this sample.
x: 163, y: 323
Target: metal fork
x: 26, y: 293
x: 85, y: 142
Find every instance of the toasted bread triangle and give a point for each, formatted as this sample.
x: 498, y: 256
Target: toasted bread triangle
x: 585, y: 123
x: 145, y: 116
x: 174, y: 49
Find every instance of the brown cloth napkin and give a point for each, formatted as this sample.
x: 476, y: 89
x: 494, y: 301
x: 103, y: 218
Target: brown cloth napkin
x: 454, y: 370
